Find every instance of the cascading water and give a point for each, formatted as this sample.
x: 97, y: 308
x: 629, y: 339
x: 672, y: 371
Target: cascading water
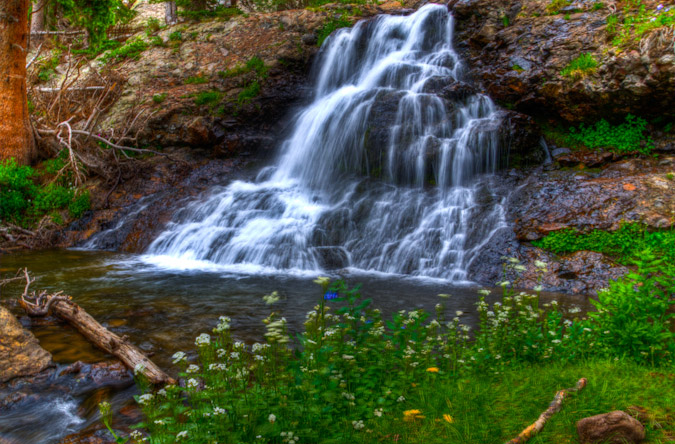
x: 380, y: 173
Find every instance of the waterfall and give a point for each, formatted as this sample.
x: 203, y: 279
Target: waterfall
x: 387, y: 170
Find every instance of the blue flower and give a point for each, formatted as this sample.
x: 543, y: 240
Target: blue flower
x: 330, y: 295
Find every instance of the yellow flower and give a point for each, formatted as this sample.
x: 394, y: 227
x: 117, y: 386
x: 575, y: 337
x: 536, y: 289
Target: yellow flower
x: 448, y: 418
x: 322, y: 280
x: 411, y: 415
x: 432, y: 369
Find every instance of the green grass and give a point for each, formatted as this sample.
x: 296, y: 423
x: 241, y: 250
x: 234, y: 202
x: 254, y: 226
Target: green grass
x: 159, y: 98
x: 585, y: 64
x: 330, y: 26
x: 625, y: 244
x: 196, y: 80
x: 254, y: 64
x: 208, y: 98
x: 249, y: 93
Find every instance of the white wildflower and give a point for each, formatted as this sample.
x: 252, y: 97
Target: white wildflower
x: 202, y: 340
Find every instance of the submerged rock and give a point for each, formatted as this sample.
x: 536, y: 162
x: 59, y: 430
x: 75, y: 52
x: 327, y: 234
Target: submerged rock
x: 610, y: 428
x: 20, y: 351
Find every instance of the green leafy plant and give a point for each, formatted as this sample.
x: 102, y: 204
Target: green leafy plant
x: 248, y: 93
x: 176, y: 36
x: 130, y: 50
x: 625, y: 244
x: 580, y: 67
x: 555, y: 6
x: 629, y: 136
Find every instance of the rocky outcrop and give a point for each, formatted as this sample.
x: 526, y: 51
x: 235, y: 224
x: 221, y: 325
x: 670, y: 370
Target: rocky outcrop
x: 517, y: 51
x: 20, y: 352
x: 632, y: 190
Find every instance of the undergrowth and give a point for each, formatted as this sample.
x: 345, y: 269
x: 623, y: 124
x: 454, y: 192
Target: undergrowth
x: 627, y: 137
x: 625, y: 244
x: 353, y: 376
x: 637, y: 21
x: 27, y: 195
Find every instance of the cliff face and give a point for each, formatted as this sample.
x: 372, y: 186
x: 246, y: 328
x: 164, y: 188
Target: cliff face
x: 518, y: 50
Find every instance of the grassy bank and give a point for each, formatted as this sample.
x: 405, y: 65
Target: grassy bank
x: 353, y: 376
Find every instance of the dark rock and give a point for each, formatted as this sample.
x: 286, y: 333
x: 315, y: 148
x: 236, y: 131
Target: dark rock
x: 521, y: 138
x: 610, y: 428
x: 332, y: 258
x: 310, y: 39
x: 557, y: 152
x: 20, y: 352
x: 590, y: 159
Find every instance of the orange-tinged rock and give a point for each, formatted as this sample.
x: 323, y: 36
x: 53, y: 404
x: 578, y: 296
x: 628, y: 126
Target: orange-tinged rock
x: 20, y: 352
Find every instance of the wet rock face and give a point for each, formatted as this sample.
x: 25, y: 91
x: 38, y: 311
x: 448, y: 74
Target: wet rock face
x: 634, y: 190
x: 519, y: 64
x: 610, y: 428
x: 581, y: 272
x: 20, y: 352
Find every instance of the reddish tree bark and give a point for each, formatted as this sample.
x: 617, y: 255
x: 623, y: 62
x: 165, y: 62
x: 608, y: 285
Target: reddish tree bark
x: 16, y: 137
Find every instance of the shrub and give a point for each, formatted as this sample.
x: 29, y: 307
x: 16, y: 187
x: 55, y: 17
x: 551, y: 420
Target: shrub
x: 628, y: 136
x: 24, y: 202
x: 176, y: 36
x: 152, y: 25
x: 580, y: 67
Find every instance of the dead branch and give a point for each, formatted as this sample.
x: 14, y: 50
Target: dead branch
x: 552, y: 409
x: 58, y: 90
x: 62, y: 306
x: 37, y: 54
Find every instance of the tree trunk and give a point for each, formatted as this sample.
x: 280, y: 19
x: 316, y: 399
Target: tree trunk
x: 37, y: 22
x: 15, y: 130
x: 171, y: 14
x: 98, y: 335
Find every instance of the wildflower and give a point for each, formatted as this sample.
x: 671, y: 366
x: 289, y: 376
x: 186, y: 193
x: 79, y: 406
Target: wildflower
x: 459, y: 313
x: 162, y: 392
x: 659, y: 7
x: 218, y: 411
x: 136, y: 435
x: 192, y: 369
x: 484, y: 291
x: 140, y: 368
x: 223, y: 325
x: 520, y: 268
x: 411, y: 415
x: 443, y: 295
x: 538, y: 288
x: 330, y: 295
x: 322, y: 280
x: 400, y: 399
x: 347, y: 357
x: 272, y: 418
x: 432, y: 369
x: 145, y: 399
x: 202, y: 340
x: 220, y: 367
x: 234, y: 355
x: 192, y: 383
x: 540, y: 264
x: 358, y: 425
x: 271, y: 298
x: 378, y: 412
x: 448, y: 418
x: 221, y: 353
x: 181, y: 435
x: 159, y: 422
x: 504, y: 283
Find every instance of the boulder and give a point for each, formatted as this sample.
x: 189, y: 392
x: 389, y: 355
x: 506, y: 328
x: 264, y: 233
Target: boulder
x: 610, y: 428
x: 20, y: 351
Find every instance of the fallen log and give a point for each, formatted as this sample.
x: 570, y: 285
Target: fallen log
x: 63, y: 307
x: 552, y: 409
